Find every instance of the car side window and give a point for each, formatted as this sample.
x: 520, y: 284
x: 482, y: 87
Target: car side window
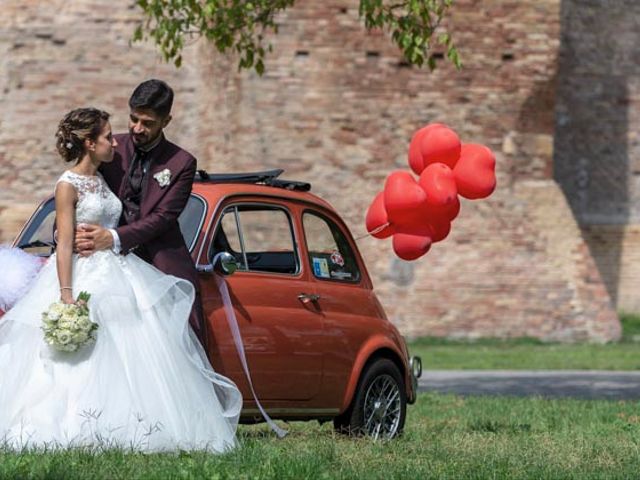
x: 260, y: 237
x: 330, y: 255
x: 190, y: 220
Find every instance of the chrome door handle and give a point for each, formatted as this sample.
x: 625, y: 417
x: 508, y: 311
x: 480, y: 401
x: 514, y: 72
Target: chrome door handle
x: 308, y: 297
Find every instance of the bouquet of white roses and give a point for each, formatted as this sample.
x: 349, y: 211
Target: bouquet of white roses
x: 67, y: 327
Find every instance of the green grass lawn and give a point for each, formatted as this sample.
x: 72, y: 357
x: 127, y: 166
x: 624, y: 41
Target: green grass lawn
x: 446, y: 437
x: 519, y: 354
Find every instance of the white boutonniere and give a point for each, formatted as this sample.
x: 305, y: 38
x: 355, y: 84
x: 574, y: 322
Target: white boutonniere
x: 163, y: 178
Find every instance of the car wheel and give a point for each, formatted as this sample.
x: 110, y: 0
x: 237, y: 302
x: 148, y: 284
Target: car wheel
x: 379, y: 405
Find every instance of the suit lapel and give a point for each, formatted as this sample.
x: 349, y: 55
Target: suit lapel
x: 152, y: 192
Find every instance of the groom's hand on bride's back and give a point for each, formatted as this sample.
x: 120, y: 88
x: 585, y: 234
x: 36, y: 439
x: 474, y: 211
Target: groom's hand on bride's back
x: 92, y: 238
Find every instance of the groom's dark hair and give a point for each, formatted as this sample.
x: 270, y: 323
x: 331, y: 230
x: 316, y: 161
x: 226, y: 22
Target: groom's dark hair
x: 154, y: 95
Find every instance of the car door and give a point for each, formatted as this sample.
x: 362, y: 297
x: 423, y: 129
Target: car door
x: 280, y: 329
x: 345, y: 299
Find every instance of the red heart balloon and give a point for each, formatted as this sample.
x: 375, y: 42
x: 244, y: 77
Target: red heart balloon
x: 377, y: 217
x: 475, y: 171
x: 415, y: 154
x: 439, y: 184
x: 447, y: 212
x: 435, y: 226
x: 440, y: 144
x: 419, y: 227
x: 439, y: 229
x: 404, y: 199
x: 410, y: 247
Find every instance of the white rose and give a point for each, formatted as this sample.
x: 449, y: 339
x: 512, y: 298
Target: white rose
x: 55, y: 311
x: 65, y: 324
x: 49, y: 324
x: 57, y: 307
x: 84, y: 323
x: 79, y: 338
x: 63, y: 336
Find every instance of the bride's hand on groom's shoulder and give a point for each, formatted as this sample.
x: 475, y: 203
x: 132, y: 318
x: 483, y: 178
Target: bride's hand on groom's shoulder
x: 91, y: 238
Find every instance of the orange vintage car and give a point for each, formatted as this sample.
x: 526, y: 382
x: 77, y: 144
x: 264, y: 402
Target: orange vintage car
x: 317, y: 341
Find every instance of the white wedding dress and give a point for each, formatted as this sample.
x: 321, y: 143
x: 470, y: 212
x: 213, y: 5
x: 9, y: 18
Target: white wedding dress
x: 145, y: 384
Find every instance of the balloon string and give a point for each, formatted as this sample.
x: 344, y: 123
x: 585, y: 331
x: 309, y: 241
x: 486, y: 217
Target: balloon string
x: 373, y: 232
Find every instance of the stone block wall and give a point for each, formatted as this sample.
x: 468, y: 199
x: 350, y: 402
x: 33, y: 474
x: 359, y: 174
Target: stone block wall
x: 616, y: 251
x: 597, y: 143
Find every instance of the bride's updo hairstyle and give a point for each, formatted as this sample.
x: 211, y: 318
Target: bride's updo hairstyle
x: 77, y: 126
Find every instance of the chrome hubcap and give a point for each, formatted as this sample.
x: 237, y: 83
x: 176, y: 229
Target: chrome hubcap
x: 382, y: 408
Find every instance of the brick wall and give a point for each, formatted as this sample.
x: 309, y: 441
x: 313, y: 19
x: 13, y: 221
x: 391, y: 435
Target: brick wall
x: 58, y: 55
x: 337, y: 107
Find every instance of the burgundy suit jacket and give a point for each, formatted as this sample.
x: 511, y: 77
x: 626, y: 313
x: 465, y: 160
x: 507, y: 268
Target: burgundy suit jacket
x: 156, y: 235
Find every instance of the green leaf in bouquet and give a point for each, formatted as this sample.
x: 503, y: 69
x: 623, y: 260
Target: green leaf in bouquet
x: 82, y: 302
x: 84, y: 296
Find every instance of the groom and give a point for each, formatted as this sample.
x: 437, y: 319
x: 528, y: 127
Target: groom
x: 153, y: 178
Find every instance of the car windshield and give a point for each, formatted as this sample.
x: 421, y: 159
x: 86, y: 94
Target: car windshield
x: 37, y: 238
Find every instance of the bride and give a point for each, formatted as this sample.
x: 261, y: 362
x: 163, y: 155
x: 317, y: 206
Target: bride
x: 146, y: 383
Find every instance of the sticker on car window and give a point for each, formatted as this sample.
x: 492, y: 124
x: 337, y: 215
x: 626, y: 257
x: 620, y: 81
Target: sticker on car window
x: 341, y: 275
x: 336, y: 259
x: 321, y: 267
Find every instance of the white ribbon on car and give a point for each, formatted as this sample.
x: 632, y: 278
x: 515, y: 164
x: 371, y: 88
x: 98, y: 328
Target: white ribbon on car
x: 237, y: 339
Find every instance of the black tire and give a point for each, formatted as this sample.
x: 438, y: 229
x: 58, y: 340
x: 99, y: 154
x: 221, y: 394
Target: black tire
x: 379, y: 406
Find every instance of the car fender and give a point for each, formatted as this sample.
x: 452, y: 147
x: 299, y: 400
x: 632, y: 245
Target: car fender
x: 367, y: 350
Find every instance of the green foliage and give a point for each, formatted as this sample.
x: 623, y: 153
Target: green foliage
x: 412, y: 24
x: 240, y: 26
x: 83, y: 301
x: 630, y: 327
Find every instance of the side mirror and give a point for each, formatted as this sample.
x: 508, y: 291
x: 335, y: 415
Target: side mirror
x: 223, y: 263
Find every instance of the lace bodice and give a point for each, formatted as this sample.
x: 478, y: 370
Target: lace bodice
x: 97, y: 204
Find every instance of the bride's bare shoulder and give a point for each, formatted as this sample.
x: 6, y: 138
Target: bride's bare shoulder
x: 67, y: 182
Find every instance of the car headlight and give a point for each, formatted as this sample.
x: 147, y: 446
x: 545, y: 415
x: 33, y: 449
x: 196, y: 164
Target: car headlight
x: 415, y: 364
